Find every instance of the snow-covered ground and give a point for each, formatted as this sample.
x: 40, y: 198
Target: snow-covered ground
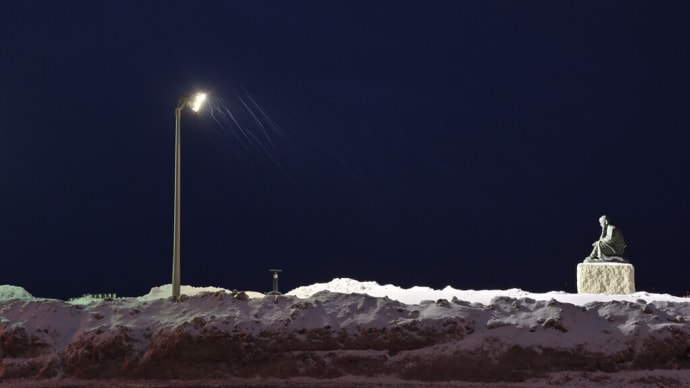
x: 344, y: 333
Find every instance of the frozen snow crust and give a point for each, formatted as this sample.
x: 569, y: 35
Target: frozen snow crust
x: 341, y: 328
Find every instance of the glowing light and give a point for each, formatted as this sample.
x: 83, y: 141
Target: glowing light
x: 199, y: 99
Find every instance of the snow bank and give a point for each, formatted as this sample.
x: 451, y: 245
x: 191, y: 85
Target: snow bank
x: 165, y: 291
x: 8, y: 292
x: 417, y: 294
x: 342, y: 328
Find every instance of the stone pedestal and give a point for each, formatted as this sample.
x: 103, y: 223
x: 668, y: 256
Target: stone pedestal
x: 605, y: 278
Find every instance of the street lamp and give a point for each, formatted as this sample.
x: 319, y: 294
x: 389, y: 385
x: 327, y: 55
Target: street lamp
x: 194, y: 103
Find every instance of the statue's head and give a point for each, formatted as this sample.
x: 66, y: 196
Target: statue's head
x: 603, y: 220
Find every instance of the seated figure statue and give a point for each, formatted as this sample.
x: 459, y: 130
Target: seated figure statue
x: 610, y: 246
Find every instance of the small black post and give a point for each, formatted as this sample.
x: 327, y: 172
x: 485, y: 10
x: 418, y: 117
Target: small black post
x: 275, y: 280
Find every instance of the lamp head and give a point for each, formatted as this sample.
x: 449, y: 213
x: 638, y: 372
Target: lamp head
x: 197, y: 101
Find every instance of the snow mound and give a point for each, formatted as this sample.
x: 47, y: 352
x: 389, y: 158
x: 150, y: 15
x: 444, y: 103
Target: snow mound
x: 417, y: 294
x: 165, y: 291
x: 343, y: 328
x: 8, y: 292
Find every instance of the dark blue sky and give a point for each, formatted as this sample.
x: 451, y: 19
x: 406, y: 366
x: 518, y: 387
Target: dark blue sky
x: 472, y: 144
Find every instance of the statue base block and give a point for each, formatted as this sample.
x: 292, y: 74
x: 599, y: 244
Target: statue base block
x: 605, y: 278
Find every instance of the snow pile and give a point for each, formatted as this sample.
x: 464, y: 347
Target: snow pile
x: 343, y: 328
x: 165, y: 291
x: 8, y: 292
x: 416, y: 295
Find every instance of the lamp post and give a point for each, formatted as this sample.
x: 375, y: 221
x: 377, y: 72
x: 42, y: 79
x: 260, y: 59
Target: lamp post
x: 275, y: 281
x: 194, y: 103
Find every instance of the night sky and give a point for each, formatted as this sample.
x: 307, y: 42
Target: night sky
x: 465, y: 143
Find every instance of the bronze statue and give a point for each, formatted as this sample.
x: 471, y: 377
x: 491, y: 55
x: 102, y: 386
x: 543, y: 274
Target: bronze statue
x: 610, y: 246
